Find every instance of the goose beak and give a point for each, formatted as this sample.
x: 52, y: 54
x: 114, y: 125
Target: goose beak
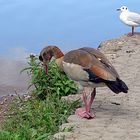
x: 45, y: 64
x: 46, y: 69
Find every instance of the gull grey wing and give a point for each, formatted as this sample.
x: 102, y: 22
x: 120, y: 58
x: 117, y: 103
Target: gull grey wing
x: 134, y: 17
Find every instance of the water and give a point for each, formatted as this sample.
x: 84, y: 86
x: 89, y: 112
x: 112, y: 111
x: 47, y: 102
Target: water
x: 27, y: 26
x: 30, y: 25
x: 11, y: 79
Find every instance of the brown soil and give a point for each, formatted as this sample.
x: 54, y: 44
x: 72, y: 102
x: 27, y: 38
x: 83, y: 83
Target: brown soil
x: 4, y: 105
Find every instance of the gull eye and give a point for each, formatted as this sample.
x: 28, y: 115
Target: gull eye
x: 122, y: 7
x: 126, y: 8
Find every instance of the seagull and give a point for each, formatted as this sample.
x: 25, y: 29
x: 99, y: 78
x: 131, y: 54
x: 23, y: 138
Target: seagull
x: 129, y: 18
x: 87, y: 66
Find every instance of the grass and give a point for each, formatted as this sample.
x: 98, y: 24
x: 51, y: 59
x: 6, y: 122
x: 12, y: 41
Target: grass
x: 36, y: 119
x: 40, y: 117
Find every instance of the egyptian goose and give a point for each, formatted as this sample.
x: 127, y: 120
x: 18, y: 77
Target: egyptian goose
x: 90, y: 68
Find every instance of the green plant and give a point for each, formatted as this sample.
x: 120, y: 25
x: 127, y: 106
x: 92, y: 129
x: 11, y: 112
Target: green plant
x: 56, y: 82
x: 36, y: 119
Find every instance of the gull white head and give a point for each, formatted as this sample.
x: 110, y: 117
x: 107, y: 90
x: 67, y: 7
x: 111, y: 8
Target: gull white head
x: 123, y: 9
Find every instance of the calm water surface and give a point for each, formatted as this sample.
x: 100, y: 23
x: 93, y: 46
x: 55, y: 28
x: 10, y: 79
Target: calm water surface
x: 28, y: 25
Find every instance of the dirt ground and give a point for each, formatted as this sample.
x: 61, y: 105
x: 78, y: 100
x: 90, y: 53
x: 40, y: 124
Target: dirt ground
x: 4, y: 105
x: 117, y: 116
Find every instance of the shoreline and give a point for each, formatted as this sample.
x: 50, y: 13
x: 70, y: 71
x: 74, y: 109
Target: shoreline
x: 11, y: 78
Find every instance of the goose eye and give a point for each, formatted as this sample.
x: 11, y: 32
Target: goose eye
x: 40, y: 58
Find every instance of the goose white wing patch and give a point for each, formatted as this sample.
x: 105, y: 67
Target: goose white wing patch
x: 75, y: 71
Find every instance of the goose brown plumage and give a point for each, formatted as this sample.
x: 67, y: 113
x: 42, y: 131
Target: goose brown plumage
x: 90, y: 68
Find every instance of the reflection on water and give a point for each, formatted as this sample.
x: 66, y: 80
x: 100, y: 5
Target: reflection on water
x: 10, y: 77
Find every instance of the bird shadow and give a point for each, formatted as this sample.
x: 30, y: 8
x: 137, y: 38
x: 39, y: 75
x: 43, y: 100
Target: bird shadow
x: 107, y: 109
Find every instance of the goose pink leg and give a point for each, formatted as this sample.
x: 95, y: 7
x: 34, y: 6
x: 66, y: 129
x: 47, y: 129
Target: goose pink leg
x: 86, y: 111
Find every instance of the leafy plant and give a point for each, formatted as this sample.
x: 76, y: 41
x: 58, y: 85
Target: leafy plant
x: 56, y: 82
x: 36, y: 119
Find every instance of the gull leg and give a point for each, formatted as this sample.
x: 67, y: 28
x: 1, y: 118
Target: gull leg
x: 132, y: 30
x: 132, y: 33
